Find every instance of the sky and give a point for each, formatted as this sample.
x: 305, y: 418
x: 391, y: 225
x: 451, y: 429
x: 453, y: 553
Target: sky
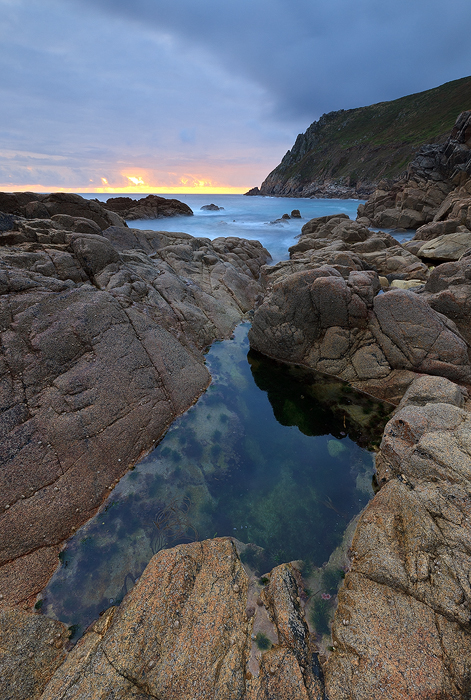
x: 200, y: 95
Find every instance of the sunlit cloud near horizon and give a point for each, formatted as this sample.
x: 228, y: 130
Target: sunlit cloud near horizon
x: 159, y: 96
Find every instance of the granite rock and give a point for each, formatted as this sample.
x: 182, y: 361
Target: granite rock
x: 102, y: 340
x: 150, y: 207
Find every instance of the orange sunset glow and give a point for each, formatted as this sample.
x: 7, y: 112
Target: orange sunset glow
x: 138, y: 184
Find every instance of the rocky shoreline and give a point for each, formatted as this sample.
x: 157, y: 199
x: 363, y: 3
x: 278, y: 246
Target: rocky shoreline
x: 102, y: 333
x: 102, y: 339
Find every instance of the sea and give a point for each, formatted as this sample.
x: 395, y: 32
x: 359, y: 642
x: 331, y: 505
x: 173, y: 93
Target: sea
x: 244, y: 217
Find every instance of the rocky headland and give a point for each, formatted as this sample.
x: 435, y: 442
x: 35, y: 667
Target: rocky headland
x: 346, y: 154
x: 102, y: 337
x: 433, y: 196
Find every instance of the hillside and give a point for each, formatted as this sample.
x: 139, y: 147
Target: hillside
x: 346, y: 153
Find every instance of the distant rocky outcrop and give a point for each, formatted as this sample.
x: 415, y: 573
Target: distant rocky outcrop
x: 211, y: 207
x: 345, y: 154
x: 150, y: 207
x: 434, y: 195
x: 254, y: 192
x: 102, y: 338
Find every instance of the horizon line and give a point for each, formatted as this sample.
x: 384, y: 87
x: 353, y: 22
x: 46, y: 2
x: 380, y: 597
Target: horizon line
x: 39, y: 189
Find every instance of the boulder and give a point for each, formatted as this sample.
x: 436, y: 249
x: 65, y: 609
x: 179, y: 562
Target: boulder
x: 150, y: 207
x: 343, y: 327
x: 211, y: 207
x: 446, y: 248
x: 401, y: 629
x: 448, y: 291
x: 45, y: 206
x: 185, y: 631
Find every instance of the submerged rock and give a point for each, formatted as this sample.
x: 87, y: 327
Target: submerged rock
x: 212, y: 207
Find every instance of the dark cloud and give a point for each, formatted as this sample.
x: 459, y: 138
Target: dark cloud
x: 95, y: 89
x: 315, y: 56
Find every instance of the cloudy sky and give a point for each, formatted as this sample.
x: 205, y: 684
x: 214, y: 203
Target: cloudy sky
x: 173, y: 95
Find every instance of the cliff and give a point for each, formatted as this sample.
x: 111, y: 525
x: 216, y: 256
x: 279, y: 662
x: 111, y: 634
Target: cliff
x: 348, y: 152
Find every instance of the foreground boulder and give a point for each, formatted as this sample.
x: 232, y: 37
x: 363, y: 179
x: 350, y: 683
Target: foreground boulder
x: 186, y: 631
x: 102, y: 340
x: 402, y: 628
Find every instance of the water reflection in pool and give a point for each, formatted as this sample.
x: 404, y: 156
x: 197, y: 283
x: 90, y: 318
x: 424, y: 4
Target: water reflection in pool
x: 270, y: 454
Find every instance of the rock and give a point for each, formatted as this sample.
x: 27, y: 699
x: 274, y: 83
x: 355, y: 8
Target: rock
x: 296, y: 214
x: 428, y: 232
x: 41, y: 206
x: 212, y: 207
x: 102, y: 342
x: 31, y: 649
x: 448, y: 291
x: 150, y: 207
x: 378, y: 250
x: 407, y: 594
x: 340, y: 327
x: 406, y: 284
x: 254, y: 192
x: 183, y: 631
x: 434, y: 195
x: 6, y: 222
x: 446, y: 248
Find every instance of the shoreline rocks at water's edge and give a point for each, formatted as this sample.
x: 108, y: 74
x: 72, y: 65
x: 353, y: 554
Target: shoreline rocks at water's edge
x: 395, y: 557
x: 102, y: 339
x: 402, y: 624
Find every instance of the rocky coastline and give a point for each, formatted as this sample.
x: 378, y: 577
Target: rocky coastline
x: 105, y: 326
x: 351, y: 153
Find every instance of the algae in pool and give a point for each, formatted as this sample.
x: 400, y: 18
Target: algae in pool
x: 270, y: 454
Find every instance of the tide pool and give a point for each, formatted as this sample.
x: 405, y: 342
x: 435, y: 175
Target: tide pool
x: 273, y: 455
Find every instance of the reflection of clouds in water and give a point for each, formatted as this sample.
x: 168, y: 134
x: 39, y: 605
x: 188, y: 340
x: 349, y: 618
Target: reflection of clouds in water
x: 242, y: 460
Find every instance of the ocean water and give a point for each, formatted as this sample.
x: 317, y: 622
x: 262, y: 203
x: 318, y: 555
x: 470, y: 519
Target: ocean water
x: 273, y: 455
x: 245, y: 217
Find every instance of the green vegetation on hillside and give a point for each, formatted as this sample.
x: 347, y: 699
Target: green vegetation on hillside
x: 370, y: 143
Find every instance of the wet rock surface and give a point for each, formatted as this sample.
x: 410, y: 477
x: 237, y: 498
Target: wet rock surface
x: 101, y: 348
x: 150, y: 207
